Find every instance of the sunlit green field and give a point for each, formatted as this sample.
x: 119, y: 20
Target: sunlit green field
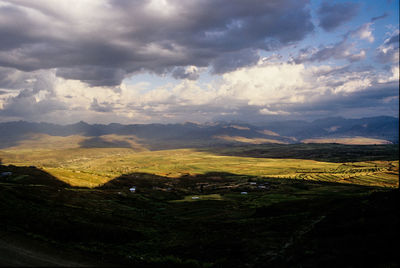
x: 92, y: 167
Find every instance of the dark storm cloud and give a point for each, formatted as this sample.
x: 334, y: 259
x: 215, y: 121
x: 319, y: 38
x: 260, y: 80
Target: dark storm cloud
x: 182, y: 73
x: 13, y: 35
x: 131, y: 36
x: 231, y: 61
x: 93, y: 75
x: 332, y: 16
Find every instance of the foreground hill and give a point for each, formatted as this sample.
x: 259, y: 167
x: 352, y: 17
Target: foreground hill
x: 376, y: 130
x: 195, y: 221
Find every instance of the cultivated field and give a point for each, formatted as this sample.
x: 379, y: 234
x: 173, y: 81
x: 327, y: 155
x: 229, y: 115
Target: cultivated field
x: 93, y: 167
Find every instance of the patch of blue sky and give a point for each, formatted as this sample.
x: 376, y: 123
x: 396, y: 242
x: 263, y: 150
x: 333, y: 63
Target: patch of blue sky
x: 386, y: 14
x: 367, y: 10
x: 375, y: 9
x: 154, y: 81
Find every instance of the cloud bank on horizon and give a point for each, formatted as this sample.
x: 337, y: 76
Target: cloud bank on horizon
x: 165, y: 61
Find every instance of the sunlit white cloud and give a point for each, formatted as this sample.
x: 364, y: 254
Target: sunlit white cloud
x: 364, y: 32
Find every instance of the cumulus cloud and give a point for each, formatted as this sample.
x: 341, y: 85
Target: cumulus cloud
x: 14, y: 79
x: 374, y: 95
x: 333, y: 15
x: 28, y: 105
x: 103, y: 107
x: 278, y: 89
x: 265, y: 90
x: 100, y: 41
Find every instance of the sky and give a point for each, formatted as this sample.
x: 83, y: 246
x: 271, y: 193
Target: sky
x: 173, y: 61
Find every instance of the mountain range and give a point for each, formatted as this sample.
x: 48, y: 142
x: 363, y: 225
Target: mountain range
x: 372, y: 130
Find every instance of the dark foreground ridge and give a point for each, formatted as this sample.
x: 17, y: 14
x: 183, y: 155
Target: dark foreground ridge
x: 196, y: 221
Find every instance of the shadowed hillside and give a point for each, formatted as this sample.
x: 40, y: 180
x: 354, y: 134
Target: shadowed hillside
x: 30, y: 176
x: 335, y: 153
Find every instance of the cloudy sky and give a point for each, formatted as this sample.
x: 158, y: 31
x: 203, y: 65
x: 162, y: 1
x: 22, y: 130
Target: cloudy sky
x: 167, y: 61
